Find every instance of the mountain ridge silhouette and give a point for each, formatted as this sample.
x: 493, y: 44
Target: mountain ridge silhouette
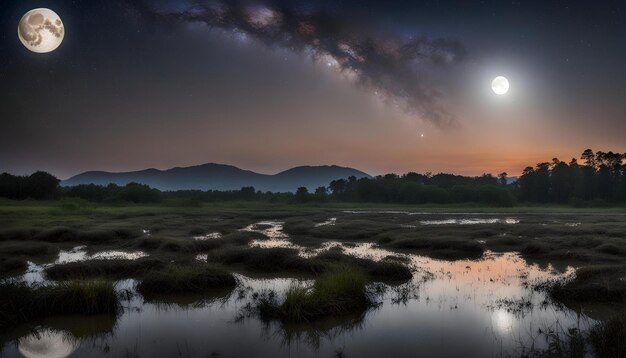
x: 215, y: 176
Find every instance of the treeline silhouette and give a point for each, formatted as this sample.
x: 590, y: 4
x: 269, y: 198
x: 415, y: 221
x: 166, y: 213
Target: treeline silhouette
x: 414, y: 188
x: 39, y: 186
x: 132, y: 192
x: 599, y: 180
x: 411, y: 188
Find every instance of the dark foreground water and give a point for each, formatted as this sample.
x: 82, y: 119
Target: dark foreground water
x: 478, y: 308
x: 466, y: 308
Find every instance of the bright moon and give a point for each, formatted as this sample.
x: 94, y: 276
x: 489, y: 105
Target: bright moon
x: 41, y: 30
x: 500, y: 85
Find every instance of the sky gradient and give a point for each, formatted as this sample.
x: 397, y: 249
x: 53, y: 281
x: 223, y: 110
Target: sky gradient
x: 269, y: 85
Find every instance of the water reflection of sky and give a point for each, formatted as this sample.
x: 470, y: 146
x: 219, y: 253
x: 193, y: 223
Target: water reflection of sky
x: 35, y: 273
x: 474, y: 221
x: 455, y: 313
x: 463, y: 308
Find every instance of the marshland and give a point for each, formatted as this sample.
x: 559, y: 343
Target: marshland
x: 312, y: 178
x: 334, y: 279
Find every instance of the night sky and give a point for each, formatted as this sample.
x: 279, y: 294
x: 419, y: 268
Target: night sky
x: 382, y: 86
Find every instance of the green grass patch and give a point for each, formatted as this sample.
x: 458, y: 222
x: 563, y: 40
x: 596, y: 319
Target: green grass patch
x: 20, y: 303
x: 334, y: 294
x: 449, y: 248
x: 384, y: 270
x: 117, y: 268
x: 288, y: 260
x: 267, y: 260
x: 185, y: 279
x: 593, y: 284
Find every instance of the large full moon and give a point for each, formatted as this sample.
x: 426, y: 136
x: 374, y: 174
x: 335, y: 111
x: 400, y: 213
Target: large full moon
x: 41, y: 30
x: 500, y: 85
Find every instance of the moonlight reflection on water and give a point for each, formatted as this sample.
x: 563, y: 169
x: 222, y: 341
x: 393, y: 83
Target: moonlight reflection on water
x: 46, y: 343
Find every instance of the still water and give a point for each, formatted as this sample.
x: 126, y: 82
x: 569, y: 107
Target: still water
x: 466, y: 308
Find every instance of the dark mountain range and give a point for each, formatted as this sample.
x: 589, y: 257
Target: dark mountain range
x: 220, y: 177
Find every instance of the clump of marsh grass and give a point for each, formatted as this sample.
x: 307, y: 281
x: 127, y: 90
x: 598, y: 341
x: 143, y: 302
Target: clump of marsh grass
x: 334, y: 294
x: 188, y: 245
x: 117, y: 268
x: 185, y: 279
x: 390, y: 271
x: 64, y: 234
x: 451, y: 248
x: 603, y: 283
x: 267, y: 260
x: 20, y: 303
x: 238, y: 238
x: 288, y: 260
x: 384, y: 270
x: 611, y: 249
x: 17, y: 234
x: 81, y: 297
x: 27, y: 248
x: 10, y: 265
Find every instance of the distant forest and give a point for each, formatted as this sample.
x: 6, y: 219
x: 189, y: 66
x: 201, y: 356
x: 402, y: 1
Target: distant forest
x: 600, y: 180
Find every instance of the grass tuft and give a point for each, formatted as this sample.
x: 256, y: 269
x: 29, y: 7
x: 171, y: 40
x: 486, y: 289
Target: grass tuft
x: 384, y: 270
x: 593, y: 284
x: 185, y: 279
x: 338, y: 293
x: 288, y: 260
x: 11, y: 265
x: 442, y: 247
x: 117, y: 268
x: 20, y: 303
